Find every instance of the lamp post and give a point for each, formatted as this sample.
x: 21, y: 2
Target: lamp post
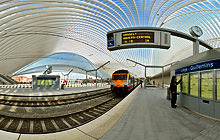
x: 96, y: 74
x: 147, y: 66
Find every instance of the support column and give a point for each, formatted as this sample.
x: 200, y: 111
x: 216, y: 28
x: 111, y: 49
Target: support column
x: 195, y: 47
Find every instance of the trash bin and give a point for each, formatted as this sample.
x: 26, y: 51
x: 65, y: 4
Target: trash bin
x: 168, y: 94
x: 62, y: 86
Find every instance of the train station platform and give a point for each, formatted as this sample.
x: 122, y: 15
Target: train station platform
x: 31, y: 92
x: 145, y: 114
x: 150, y: 117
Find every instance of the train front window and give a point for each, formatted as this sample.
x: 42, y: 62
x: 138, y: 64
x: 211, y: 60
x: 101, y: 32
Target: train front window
x: 119, y: 77
x: 123, y: 77
x: 115, y: 77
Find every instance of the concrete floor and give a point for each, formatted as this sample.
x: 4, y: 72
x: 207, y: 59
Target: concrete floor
x: 150, y: 117
x: 31, y: 92
x: 147, y: 116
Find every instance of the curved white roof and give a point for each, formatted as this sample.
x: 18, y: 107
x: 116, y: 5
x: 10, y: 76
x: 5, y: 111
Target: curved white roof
x: 31, y: 29
x: 61, y: 63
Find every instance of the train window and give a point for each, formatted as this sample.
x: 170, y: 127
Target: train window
x: 207, y: 85
x: 194, y: 84
x: 119, y: 77
x: 123, y: 77
x: 185, y: 83
x: 218, y: 85
x: 115, y: 77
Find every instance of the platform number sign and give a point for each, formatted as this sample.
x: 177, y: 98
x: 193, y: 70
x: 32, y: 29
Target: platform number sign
x: 111, y: 41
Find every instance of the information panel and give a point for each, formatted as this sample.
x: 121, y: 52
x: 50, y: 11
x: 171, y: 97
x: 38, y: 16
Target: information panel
x: 179, y: 85
x: 218, y: 85
x: 137, y: 37
x: 207, y: 85
x: 185, y: 83
x: 194, y: 84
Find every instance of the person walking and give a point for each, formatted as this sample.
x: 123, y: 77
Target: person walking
x: 173, y: 90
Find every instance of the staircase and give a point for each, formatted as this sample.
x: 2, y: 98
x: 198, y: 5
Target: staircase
x: 7, y: 80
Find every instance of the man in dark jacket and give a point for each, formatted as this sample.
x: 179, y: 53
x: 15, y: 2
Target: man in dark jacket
x: 173, y: 90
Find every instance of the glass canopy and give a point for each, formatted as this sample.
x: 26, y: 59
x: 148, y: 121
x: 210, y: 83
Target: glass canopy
x: 61, y: 62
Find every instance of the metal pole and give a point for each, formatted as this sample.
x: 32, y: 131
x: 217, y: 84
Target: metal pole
x: 162, y: 77
x: 147, y: 66
x: 86, y: 78
x: 97, y: 70
x: 96, y: 78
x: 103, y: 65
x: 136, y: 62
x: 145, y: 80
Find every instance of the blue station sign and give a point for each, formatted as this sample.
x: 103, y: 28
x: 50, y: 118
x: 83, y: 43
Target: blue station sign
x: 214, y: 64
x: 111, y: 43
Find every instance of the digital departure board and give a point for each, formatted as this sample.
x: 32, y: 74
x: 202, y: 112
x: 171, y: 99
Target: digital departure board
x: 137, y: 37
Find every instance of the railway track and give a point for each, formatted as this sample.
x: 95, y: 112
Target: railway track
x: 51, y: 100
x: 85, y: 108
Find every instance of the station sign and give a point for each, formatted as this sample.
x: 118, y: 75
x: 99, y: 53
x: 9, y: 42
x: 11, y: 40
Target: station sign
x: 214, y: 64
x: 137, y: 38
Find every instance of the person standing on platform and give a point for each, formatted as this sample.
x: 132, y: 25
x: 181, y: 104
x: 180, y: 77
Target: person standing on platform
x: 173, y: 90
x: 153, y: 82
x: 141, y: 83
